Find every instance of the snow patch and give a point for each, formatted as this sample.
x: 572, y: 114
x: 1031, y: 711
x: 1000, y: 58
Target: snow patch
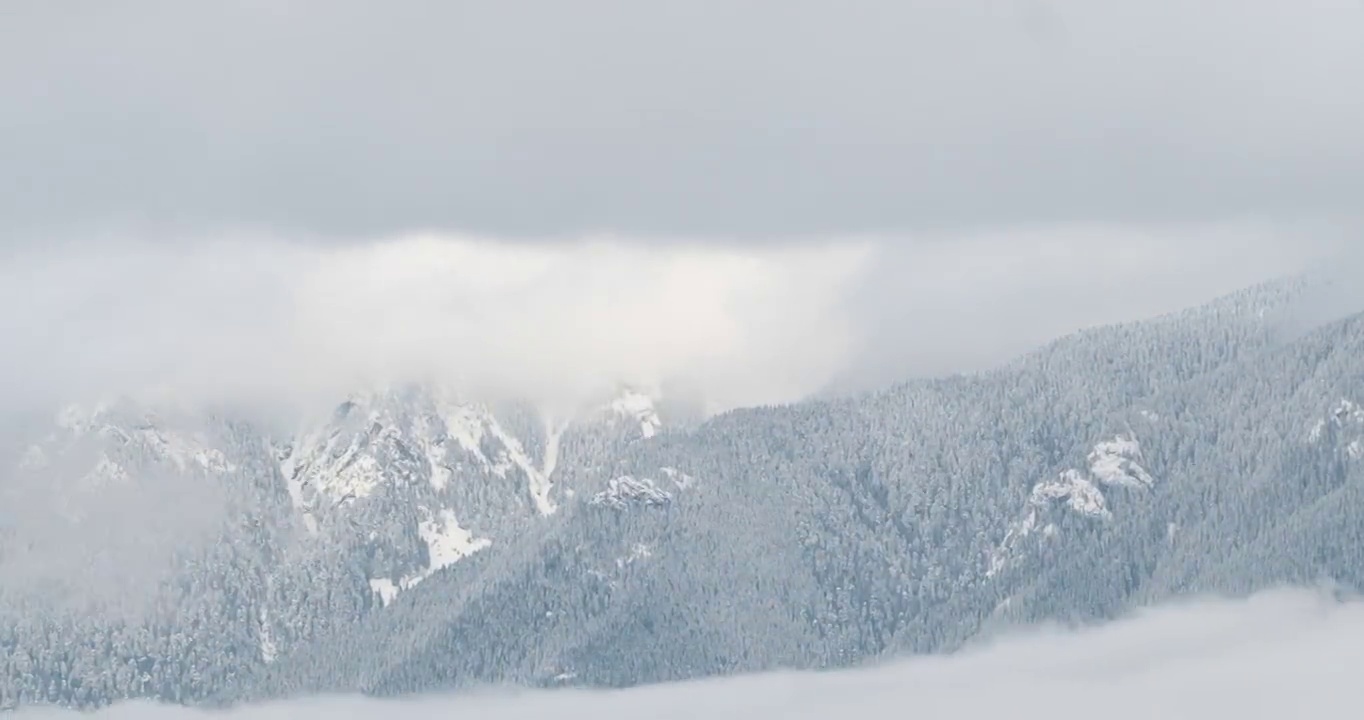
x: 268, y: 650
x: 464, y: 423
x: 679, y: 479
x: 1114, y: 462
x: 638, y: 551
x: 539, y: 477
x: 294, y: 484
x: 373, y: 442
x: 471, y: 424
x: 1345, y: 414
x: 446, y: 542
x: 324, y: 462
x: 385, y: 589
x: 625, y: 491
x: 431, y: 435
x: 1076, y: 490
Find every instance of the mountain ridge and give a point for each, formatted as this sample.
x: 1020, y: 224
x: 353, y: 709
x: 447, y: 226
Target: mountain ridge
x: 1195, y: 452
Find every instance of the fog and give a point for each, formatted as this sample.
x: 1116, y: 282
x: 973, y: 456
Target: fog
x: 274, y: 327
x: 1281, y: 654
x: 279, y: 324
x: 271, y: 205
x: 279, y: 321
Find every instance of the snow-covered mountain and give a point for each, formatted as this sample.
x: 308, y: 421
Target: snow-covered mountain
x: 413, y: 539
x: 409, y: 478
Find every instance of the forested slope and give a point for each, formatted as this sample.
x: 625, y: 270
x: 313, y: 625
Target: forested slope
x: 411, y: 542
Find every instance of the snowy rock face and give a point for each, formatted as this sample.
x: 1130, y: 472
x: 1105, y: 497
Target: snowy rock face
x: 366, y: 502
x: 1111, y: 463
x: 408, y: 439
x: 1115, y: 462
x: 1072, y: 487
x: 1344, y: 425
x: 125, y: 430
x: 416, y: 482
x: 624, y: 492
x: 408, y: 480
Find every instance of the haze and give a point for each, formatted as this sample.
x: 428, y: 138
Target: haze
x: 1283, y: 654
x: 271, y: 204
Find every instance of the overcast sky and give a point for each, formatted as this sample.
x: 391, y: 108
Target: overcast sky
x: 709, y: 117
x: 764, y: 197
x: 1276, y: 656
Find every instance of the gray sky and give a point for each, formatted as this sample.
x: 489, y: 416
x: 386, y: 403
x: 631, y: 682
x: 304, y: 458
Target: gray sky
x: 1274, y: 656
x: 711, y: 117
x: 760, y: 199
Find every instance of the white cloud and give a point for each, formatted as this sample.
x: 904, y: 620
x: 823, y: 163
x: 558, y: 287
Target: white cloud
x: 1283, y: 654
x: 555, y: 322
x: 284, y: 325
x: 552, y: 322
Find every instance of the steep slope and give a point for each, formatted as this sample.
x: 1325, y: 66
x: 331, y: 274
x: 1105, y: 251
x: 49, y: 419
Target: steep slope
x: 1060, y: 487
x: 414, y: 541
x: 188, y: 551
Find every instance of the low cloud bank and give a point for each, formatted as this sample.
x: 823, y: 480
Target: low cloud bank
x: 1282, y: 654
x: 283, y: 324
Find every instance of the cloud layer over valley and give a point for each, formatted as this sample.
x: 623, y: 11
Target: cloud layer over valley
x: 1282, y: 654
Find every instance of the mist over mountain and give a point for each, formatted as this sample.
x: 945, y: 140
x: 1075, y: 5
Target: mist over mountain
x: 416, y: 539
x: 357, y: 351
